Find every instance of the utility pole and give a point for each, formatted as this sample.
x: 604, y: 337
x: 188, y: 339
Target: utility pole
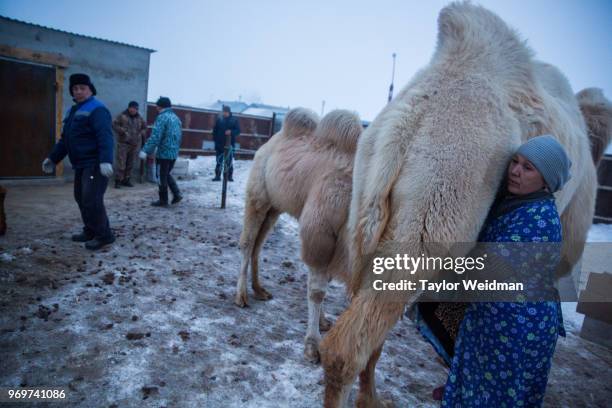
x: 392, y: 78
x: 322, y: 107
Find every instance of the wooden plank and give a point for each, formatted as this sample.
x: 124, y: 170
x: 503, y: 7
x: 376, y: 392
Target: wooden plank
x: 40, y: 57
x: 602, y: 220
x: 59, y: 112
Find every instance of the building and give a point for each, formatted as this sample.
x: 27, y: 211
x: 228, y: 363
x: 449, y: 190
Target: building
x: 35, y: 64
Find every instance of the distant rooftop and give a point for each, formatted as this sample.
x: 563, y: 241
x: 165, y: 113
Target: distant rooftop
x: 259, y: 109
x: 235, y: 106
x: 71, y: 33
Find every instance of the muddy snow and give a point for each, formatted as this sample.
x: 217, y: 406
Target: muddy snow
x: 150, y: 321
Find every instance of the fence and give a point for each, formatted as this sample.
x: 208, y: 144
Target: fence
x: 197, y: 130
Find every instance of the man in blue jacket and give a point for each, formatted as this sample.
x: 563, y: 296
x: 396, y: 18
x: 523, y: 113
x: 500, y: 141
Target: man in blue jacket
x: 87, y: 139
x: 226, y: 125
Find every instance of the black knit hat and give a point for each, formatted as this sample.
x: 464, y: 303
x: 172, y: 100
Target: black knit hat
x: 163, y: 102
x: 81, y: 79
x: 133, y: 104
x: 227, y: 109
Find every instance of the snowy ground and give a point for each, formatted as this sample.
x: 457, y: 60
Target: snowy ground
x: 150, y: 322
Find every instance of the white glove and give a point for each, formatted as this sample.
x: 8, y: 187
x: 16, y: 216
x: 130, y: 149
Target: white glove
x: 48, y: 166
x: 142, y: 155
x: 106, y: 169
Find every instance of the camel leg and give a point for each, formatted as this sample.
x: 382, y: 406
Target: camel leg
x: 367, y: 397
x: 317, y: 285
x: 352, y: 343
x: 271, y: 218
x: 318, y: 246
x: 254, y: 219
x: 324, y: 323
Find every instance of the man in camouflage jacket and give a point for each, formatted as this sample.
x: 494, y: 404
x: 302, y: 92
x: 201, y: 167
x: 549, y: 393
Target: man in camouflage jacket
x: 130, y: 129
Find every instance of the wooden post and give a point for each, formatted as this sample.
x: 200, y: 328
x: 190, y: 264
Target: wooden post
x: 143, y: 163
x: 226, y: 153
x: 2, y: 214
x: 59, y: 112
x: 271, y: 133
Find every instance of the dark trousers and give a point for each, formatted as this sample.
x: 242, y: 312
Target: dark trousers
x: 89, y: 189
x: 230, y: 163
x: 166, y: 180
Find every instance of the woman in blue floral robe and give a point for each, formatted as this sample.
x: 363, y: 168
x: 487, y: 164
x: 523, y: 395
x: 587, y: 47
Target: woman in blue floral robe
x: 503, y: 350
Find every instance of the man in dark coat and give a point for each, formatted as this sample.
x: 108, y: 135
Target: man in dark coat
x: 226, y: 125
x: 87, y: 139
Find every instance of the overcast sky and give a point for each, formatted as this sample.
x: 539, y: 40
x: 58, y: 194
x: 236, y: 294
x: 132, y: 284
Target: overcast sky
x: 299, y: 53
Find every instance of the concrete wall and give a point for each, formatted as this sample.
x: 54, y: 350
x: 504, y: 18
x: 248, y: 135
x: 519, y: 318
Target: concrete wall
x: 119, y: 72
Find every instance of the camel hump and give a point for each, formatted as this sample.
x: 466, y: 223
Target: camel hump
x: 597, y: 113
x: 472, y: 37
x: 300, y: 121
x: 341, y: 128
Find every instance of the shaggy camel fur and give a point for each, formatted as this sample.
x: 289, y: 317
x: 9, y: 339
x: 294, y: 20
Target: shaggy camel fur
x: 304, y: 170
x: 428, y: 167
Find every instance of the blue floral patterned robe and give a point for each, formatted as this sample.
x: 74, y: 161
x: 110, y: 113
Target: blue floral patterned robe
x: 503, y: 350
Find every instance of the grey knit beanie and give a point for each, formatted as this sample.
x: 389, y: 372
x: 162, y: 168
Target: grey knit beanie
x: 549, y: 157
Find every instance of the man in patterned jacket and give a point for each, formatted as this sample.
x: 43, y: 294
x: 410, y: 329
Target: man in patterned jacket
x: 166, y: 137
x: 130, y: 129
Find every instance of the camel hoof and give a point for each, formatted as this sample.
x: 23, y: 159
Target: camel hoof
x: 262, y: 294
x: 325, y: 324
x: 366, y: 401
x: 311, y: 351
x: 241, y: 300
x: 386, y: 403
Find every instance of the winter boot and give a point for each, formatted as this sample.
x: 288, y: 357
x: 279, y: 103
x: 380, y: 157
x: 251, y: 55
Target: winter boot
x: 117, y: 183
x: 438, y: 393
x: 82, y: 237
x: 176, y: 199
x: 127, y: 183
x: 217, y: 173
x: 98, y: 243
x: 163, y: 200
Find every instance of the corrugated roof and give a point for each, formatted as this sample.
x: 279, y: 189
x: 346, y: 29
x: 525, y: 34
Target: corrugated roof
x: 236, y: 106
x: 277, y: 109
x: 76, y: 34
x: 239, y: 106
